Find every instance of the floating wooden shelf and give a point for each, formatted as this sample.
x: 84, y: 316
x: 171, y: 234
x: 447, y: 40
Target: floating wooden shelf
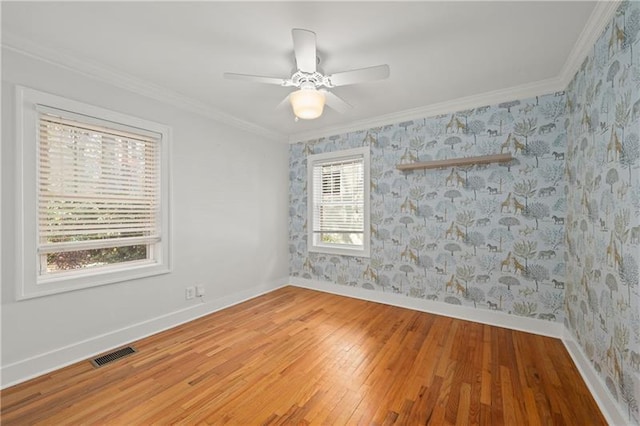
x: 452, y: 162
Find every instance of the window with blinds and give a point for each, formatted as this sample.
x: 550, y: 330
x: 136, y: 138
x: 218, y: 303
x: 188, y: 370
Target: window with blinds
x: 93, y: 191
x: 98, y: 195
x: 339, y: 202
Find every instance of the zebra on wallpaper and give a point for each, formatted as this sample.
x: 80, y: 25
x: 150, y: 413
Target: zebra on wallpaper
x: 482, y: 236
x: 553, y: 234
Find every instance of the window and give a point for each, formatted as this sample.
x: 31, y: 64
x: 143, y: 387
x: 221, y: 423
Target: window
x: 94, y: 195
x: 338, y: 210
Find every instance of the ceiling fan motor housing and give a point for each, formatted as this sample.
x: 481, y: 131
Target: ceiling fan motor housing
x: 303, y: 80
x: 309, y: 100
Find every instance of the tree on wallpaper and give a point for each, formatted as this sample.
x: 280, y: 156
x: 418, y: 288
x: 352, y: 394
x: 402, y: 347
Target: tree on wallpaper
x: 553, y: 234
x: 602, y: 209
x: 461, y: 222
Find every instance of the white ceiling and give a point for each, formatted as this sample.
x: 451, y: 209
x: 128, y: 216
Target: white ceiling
x: 437, y: 51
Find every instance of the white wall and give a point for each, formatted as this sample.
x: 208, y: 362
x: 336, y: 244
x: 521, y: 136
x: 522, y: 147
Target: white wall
x: 229, y: 226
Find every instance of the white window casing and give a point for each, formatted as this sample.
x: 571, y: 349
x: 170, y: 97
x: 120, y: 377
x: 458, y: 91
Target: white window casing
x: 89, y: 179
x: 338, y: 202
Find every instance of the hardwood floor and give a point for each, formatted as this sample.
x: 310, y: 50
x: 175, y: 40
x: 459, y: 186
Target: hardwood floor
x: 296, y: 356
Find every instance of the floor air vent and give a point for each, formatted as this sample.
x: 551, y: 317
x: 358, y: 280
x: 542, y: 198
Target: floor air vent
x: 113, y: 356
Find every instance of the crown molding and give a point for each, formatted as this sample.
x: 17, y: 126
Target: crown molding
x: 488, y: 98
x: 597, y: 22
x: 125, y: 81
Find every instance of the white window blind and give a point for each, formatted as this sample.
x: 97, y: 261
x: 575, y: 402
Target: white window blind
x: 94, y: 195
x: 339, y: 196
x: 97, y: 186
x: 338, y: 202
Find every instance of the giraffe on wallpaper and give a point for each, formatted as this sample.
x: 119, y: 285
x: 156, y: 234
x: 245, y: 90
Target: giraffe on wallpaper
x: 421, y: 224
x: 555, y: 233
x: 607, y: 210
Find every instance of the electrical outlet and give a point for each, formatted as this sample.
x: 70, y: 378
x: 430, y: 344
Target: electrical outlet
x: 190, y: 293
x: 200, y: 291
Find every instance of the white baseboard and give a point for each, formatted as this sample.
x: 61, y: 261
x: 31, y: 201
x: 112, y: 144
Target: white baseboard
x: 609, y: 407
x: 484, y: 316
x: 35, y: 366
x: 18, y: 372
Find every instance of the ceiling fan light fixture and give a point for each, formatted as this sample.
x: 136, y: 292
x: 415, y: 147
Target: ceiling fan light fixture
x: 307, y: 103
x: 309, y: 100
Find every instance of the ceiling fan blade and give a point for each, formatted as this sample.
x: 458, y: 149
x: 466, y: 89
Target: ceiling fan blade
x: 256, y: 78
x: 335, y: 102
x: 359, y: 76
x: 304, y: 46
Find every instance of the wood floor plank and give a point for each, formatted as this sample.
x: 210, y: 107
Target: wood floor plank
x: 297, y: 356
x: 464, y: 405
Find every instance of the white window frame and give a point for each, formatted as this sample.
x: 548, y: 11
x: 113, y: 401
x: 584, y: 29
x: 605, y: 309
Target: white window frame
x: 30, y: 283
x: 313, y: 243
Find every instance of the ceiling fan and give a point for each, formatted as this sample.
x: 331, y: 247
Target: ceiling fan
x: 312, y: 94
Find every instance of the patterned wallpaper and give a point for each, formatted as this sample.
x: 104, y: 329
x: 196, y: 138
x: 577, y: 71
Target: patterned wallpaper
x: 603, y: 207
x: 553, y: 235
x: 488, y: 237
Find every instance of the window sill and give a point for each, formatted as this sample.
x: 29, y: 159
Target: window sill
x: 359, y: 252
x: 61, y: 284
